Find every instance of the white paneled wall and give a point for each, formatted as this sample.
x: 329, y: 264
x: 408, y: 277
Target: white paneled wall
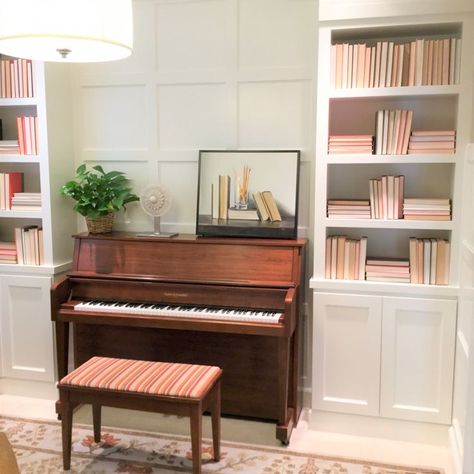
x: 205, y: 74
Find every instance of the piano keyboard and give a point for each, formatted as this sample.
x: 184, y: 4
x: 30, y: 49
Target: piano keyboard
x: 151, y: 309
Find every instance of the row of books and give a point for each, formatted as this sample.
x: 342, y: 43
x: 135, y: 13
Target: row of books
x: 429, y: 261
x: 8, y: 252
x: 26, y: 202
x: 432, y: 209
x: 350, y: 144
x: 349, y: 209
x: 432, y: 141
x: 10, y: 183
x: 392, y: 131
x: 16, y: 78
x: 29, y: 245
x: 27, y: 135
x: 345, y: 258
x: 387, y: 269
x: 396, y: 64
x: 386, y: 196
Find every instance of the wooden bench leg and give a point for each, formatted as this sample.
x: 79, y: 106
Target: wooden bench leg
x: 66, y: 429
x: 216, y: 421
x: 196, y: 437
x: 96, y: 420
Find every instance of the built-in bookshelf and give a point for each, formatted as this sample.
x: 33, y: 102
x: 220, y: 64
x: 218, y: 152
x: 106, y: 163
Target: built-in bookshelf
x: 401, y: 115
x: 393, y: 122
x: 28, y: 154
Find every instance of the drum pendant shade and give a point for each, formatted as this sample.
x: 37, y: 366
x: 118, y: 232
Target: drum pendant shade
x: 66, y: 30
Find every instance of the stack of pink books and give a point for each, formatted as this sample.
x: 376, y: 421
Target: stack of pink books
x: 432, y: 141
x: 426, y: 209
x: 340, y: 144
x: 7, y: 252
x: 348, y: 209
x: 345, y: 258
x: 429, y: 261
x: 386, y: 269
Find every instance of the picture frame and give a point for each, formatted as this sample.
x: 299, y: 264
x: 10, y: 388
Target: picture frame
x: 248, y: 193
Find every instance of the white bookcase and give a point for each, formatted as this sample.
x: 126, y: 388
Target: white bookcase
x: 26, y: 335
x: 347, y: 308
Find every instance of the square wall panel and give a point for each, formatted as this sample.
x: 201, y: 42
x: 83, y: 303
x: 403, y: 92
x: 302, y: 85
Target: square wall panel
x: 277, y: 33
x: 113, y: 117
x: 274, y: 114
x: 191, y: 35
x: 193, y: 116
x: 180, y: 179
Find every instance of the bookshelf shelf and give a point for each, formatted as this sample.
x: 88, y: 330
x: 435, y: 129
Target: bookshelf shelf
x: 22, y: 214
x: 18, y: 102
x: 388, y: 224
x: 20, y: 159
x: 409, y: 91
x: 387, y: 159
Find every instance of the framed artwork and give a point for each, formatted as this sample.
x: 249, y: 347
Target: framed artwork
x: 248, y: 193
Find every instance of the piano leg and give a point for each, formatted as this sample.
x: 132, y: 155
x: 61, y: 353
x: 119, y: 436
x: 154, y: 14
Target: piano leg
x: 285, y: 414
x: 62, y: 351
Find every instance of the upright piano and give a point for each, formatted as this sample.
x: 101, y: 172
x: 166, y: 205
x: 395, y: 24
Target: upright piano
x: 234, y: 303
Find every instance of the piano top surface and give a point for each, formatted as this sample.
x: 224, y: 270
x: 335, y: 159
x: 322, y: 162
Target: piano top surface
x: 261, y: 262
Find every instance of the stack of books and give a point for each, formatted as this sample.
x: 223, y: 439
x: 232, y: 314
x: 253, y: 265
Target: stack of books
x: 348, y: 209
x: 387, y: 269
x: 10, y: 183
x: 29, y: 245
x: 386, y: 197
x: 27, y: 135
x: 9, y: 147
x: 426, y: 209
x: 26, y: 202
x: 395, y: 64
x: 392, y: 131
x: 429, y: 261
x: 8, y: 252
x: 345, y: 258
x: 432, y: 141
x: 341, y: 144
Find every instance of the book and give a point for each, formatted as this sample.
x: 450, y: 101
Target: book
x: 272, y: 207
x: 243, y: 214
x: 224, y: 195
x: 261, y: 206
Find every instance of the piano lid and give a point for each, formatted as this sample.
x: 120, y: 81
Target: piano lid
x: 260, y: 262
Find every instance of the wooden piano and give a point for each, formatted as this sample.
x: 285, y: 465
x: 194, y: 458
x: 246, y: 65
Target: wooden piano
x: 234, y: 303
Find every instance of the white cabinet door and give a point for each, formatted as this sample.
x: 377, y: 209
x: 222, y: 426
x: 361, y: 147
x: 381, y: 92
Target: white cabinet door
x: 26, y: 328
x: 346, y: 353
x: 418, y: 341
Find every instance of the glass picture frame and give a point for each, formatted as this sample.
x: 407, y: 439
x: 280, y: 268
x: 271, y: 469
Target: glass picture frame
x: 248, y: 193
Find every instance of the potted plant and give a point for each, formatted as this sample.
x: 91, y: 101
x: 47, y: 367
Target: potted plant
x: 99, y: 196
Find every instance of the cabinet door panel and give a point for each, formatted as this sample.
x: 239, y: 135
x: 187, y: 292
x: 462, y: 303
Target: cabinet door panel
x: 418, y: 340
x: 346, y: 360
x: 27, y: 334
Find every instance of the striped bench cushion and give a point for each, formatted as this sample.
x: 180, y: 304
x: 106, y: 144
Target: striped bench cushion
x: 157, y: 378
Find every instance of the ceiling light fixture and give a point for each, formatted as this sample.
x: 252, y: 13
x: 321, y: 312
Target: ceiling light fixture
x: 66, y: 30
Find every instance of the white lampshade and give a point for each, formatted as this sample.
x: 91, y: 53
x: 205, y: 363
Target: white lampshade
x: 66, y: 30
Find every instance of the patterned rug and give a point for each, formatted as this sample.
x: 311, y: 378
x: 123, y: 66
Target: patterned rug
x: 37, y: 445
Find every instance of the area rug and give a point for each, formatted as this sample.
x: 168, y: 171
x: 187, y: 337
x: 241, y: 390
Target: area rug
x: 37, y: 445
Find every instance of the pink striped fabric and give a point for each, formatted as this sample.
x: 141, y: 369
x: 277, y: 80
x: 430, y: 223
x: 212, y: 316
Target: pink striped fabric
x: 158, y: 378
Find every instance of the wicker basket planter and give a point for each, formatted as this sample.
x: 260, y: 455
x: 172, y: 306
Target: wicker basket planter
x: 101, y: 224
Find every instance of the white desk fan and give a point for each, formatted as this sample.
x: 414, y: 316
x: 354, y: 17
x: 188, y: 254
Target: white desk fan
x: 155, y: 201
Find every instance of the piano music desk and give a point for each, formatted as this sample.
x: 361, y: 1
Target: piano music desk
x: 260, y: 359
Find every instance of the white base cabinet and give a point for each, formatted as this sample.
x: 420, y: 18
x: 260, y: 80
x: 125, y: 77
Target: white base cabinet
x: 384, y: 356
x: 26, y: 339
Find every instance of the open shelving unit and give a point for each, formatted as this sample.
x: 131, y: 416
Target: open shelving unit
x: 383, y: 330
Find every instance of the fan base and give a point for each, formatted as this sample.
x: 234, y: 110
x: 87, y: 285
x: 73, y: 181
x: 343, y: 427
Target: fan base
x: 157, y: 235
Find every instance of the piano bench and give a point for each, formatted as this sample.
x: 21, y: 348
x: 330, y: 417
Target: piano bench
x: 163, y: 387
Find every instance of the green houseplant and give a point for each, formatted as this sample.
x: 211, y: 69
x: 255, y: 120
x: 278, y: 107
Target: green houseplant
x: 99, y: 195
